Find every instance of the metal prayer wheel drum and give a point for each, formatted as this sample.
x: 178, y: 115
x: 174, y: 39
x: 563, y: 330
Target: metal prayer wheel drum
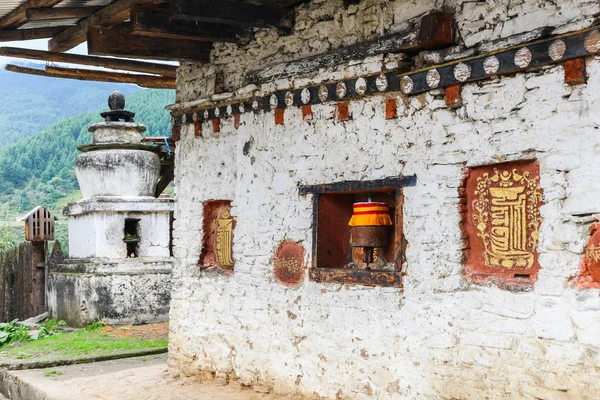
x: 368, y: 236
x: 369, y: 227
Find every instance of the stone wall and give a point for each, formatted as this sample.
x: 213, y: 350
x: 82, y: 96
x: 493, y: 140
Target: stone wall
x: 441, y: 336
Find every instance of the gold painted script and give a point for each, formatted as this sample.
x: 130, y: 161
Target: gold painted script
x: 224, y: 239
x: 507, y: 217
x: 593, y: 253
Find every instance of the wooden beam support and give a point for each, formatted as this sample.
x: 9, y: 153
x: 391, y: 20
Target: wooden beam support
x: 148, y: 81
x: 45, y: 14
x: 15, y: 35
x: 232, y: 13
x: 164, y: 181
x: 113, y: 14
x: 18, y: 16
x: 400, y: 42
x: 112, y: 63
x: 154, y: 24
x: 119, y: 41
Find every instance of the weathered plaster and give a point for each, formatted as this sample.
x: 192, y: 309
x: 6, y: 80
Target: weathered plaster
x: 441, y: 336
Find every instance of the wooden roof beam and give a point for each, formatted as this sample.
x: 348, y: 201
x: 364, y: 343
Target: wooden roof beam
x: 113, y: 14
x: 162, y: 25
x: 120, y: 42
x: 112, y: 63
x: 15, y: 35
x: 148, y: 81
x: 18, y: 17
x: 232, y: 13
x: 44, y: 14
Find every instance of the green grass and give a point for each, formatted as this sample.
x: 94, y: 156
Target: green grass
x: 79, y: 343
x: 53, y: 373
x: 69, y: 198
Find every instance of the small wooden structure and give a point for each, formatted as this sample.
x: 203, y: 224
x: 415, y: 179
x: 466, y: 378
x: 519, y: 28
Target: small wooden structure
x: 39, y: 225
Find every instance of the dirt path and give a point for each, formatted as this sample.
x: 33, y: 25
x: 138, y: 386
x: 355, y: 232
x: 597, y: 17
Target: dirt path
x: 141, y: 378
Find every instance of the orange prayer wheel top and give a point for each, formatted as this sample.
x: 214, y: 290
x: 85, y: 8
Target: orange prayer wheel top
x: 370, y: 213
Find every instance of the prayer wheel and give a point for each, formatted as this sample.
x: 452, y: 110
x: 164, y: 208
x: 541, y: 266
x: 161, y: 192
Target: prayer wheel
x: 369, y: 227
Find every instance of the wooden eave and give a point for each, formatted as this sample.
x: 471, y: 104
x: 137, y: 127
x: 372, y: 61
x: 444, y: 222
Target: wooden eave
x: 168, y: 30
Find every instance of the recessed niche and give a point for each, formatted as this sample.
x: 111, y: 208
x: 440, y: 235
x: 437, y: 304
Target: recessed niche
x: 131, y: 237
x: 369, y: 255
x: 501, y: 222
x: 217, y: 241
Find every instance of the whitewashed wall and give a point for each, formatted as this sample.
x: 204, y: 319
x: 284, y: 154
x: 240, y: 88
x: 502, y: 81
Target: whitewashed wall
x: 439, y: 337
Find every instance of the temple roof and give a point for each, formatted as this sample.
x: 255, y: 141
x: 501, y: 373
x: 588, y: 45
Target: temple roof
x: 175, y: 30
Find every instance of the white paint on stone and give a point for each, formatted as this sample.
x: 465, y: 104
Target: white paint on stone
x: 439, y: 337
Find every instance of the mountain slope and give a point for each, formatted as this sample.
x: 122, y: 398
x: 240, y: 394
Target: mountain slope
x: 31, y: 103
x: 39, y: 169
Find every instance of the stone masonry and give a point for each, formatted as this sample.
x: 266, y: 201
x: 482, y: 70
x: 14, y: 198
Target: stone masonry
x: 440, y: 336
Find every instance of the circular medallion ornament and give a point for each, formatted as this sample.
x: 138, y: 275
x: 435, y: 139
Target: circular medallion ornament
x: 323, y: 93
x: 206, y: 114
x: 557, y: 50
x: 274, y: 102
x: 172, y: 121
x: 195, y: 117
x: 360, y: 87
x: 382, y: 83
x: 305, y: 96
x: 340, y: 90
x: 229, y: 110
x: 255, y: 104
x: 523, y: 58
x: 289, y: 263
x: 491, y: 65
x: 462, y: 72
x: 242, y: 108
x: 183, y: 119
x: 217, y: 112
x: 592, y: 42
x: 289, y: 99
x: 407, y: 85
x: 433, y: 78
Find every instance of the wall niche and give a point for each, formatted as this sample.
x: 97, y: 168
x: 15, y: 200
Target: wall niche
x: 371, y: 253
x: 217, y: 241
x: 501, y: 222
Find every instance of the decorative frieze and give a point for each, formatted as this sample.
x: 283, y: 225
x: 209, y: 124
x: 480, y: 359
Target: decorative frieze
x: 536, y: 54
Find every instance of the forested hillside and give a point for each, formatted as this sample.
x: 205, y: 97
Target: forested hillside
x: 39, y: 170
x: 31, y: 103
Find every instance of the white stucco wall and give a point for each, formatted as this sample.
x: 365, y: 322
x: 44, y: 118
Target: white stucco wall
x: 440, y: 336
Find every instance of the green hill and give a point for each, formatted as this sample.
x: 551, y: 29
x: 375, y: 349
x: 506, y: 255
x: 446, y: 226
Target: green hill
x: 39, y: 170
x: 31, y: 103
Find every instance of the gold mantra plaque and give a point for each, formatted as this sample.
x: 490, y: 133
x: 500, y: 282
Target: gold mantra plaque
x: 506, y: 215
x: 593, y: 253
x: 224, y: 239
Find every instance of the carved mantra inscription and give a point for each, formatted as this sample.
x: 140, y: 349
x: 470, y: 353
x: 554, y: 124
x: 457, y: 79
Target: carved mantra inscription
x: 289, y: 263
x: 503, y: 219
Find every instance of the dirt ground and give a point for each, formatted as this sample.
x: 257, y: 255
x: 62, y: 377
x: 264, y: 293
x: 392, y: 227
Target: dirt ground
x: 149, y: 331
x: 140, y: 378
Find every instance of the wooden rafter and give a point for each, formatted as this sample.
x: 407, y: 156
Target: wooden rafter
x: 148, y: 81
x: 119, y: 41
x: 18, y: 16
x: 112, y: 63
x: 15, y: 35
x: 113, y: 14
x: 42, y: 14
x: 231, y: 13
x: 162, y: 25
